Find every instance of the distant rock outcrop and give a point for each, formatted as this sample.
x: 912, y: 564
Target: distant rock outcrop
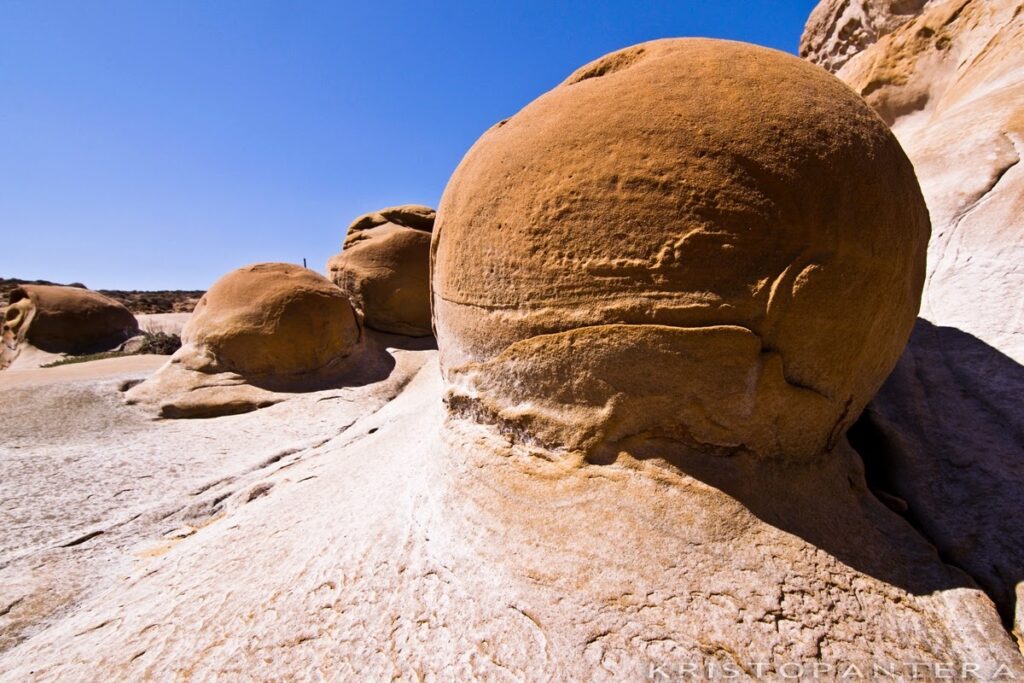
x: 59, y: 320
x: 948, y: 426
x: 156, y: 302
x: 136, y: 301
x: 384, y: 268
x: 260, y: 329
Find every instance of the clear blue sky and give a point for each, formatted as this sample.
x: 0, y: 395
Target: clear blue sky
x: 152, y: 144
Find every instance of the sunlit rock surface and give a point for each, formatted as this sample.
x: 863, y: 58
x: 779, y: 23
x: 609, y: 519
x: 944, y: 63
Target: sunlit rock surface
x: 697, y: 240
x: 46, y: 321
x: 384, y: 267
x: 261, y: 330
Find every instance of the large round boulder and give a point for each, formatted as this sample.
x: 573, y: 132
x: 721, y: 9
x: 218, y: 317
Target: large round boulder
x: 384, y: 267
x: 691, y: 241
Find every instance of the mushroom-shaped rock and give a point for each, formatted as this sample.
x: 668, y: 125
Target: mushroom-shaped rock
x: 259, y: 329
x: 60, y: 319
x: 691, y: 240
x: 384, y: 267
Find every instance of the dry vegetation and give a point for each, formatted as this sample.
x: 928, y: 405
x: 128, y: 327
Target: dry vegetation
x: 162, y: 301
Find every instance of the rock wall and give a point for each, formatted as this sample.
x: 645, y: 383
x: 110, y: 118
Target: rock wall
x: 950, y: 83
x: 946, y: 433
x: 839, y: 29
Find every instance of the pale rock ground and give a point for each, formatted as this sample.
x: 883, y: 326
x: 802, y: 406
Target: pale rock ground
x: 350, y: 542
x: 90, y: 488
x: 949, y: 79
x: 30, y: 357
x: 16, y: 378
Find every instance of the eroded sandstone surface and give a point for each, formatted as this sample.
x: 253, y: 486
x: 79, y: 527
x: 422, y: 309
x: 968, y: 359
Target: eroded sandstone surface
x: 349, y: 542
x: 837, y: 30
x: 554, y: 517
x: 950, y: 422
x: 105, y: 493
x: 695, y: 239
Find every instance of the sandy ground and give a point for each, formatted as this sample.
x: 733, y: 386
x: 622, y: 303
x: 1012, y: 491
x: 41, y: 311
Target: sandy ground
x: 168, y: 323
x: 126, y: 367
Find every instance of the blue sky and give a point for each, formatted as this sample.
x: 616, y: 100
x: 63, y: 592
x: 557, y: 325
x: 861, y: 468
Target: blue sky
x: 154, y: 144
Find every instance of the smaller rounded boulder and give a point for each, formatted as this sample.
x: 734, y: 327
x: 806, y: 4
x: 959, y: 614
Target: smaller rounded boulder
x: 384, y: 266
x: 274, y: 320
x: 61, y: 319
x: 258, y: 332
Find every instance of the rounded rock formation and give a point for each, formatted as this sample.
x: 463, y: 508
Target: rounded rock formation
x: 698, y: 241
x: 261, y: 329
x: 61, y: 319
x: 384, y: 268
x: 273, y: 320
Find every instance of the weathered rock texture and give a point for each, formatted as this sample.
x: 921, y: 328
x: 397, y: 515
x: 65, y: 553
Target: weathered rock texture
x: 698, y: 240
x: 951, y: 84
x: 641, y: 290
x: 839, y: 29
x: 92, y: 492
x: 260, y: 329
x: 58, y: 319
x: 950, y: 422
x: 333, y: 536
x: 384, y: 268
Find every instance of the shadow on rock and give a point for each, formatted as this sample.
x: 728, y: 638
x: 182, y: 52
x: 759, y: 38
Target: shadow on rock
x: 945, y: 438
x: 371, y: 363
x: 827, y: 503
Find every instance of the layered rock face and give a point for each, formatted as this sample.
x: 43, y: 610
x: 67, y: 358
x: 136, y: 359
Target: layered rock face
x: 265, y: 327
x: 950, y: 81
x: 384, y: 268
x: 60, y: 319
x: 688, y: 239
